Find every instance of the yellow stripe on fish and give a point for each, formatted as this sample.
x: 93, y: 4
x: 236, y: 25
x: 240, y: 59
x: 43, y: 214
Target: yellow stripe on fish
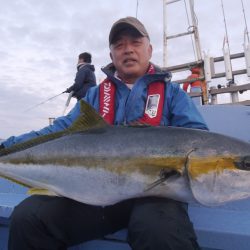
x: 198, y: 166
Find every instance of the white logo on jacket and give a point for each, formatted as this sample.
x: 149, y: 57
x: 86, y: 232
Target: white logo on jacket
x: 152, y: 105
x: 107, y: 98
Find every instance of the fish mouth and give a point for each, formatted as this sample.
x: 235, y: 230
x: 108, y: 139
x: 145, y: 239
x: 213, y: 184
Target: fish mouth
x: 243, y: 163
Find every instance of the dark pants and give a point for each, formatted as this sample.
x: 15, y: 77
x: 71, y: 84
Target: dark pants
x: 44, y: 222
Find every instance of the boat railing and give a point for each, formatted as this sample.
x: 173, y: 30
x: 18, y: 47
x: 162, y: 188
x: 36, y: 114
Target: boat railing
x: 208, y: 74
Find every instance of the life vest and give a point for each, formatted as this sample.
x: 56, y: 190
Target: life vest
x: 153, y: 106
x: 197, y: 83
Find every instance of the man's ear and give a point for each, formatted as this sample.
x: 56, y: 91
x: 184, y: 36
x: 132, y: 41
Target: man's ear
x: 150, y: 50
x: 111, y: 57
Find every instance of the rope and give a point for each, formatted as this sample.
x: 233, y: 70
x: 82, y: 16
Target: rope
x: 189, y: 26
x: 226, y: 41
x: 246, y: 29
x: 137, y: 5
x: 225, y: 24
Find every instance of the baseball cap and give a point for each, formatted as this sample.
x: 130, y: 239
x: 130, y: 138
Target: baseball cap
x: 127, y: 22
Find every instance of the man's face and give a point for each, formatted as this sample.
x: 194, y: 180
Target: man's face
x: 130, y: 55
x: 80, y: 60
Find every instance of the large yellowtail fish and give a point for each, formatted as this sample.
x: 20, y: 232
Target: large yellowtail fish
x: 98, y: 164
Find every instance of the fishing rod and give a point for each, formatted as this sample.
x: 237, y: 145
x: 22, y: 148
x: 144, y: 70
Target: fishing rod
x: 41, y: 103
x: 68, y: 101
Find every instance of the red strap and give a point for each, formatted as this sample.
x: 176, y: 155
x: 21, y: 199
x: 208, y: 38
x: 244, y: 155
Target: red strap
x: 107, y: 101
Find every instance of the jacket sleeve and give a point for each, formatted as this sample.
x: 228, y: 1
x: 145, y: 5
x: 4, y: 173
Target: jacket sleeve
x: 182, y: 111
x: 59, y: 124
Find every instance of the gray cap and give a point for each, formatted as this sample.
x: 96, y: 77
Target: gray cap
x: 127, y: 22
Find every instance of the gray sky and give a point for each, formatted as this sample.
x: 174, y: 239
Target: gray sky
x: 40, y: 42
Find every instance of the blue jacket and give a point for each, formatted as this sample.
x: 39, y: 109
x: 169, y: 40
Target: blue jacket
x: 178, y: 110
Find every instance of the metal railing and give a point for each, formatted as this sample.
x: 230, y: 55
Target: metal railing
x: 231, y: 87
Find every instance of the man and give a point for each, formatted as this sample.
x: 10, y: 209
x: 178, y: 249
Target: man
x: 85, y: 76
x: 135, y: 90
x: 196, y: 86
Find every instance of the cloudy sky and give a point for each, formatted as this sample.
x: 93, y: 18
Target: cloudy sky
x: 40, y: 42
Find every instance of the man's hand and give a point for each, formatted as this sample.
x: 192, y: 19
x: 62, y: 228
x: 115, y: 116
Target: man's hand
x: 67, y: 91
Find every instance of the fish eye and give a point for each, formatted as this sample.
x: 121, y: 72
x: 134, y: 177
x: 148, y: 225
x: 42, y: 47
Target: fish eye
x: 246, y: 162
x: 243, y: 163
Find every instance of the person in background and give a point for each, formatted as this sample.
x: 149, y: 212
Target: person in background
x: 195, y: 86
x: 135, y: 90
x: 85, y: 76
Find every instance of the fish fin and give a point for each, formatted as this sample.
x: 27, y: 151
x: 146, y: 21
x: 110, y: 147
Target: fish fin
x: 41, y: 191
x: 163, y: 176
x: 88, y: 119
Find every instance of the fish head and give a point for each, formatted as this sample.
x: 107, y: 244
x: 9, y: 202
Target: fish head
x: 219, y: 171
